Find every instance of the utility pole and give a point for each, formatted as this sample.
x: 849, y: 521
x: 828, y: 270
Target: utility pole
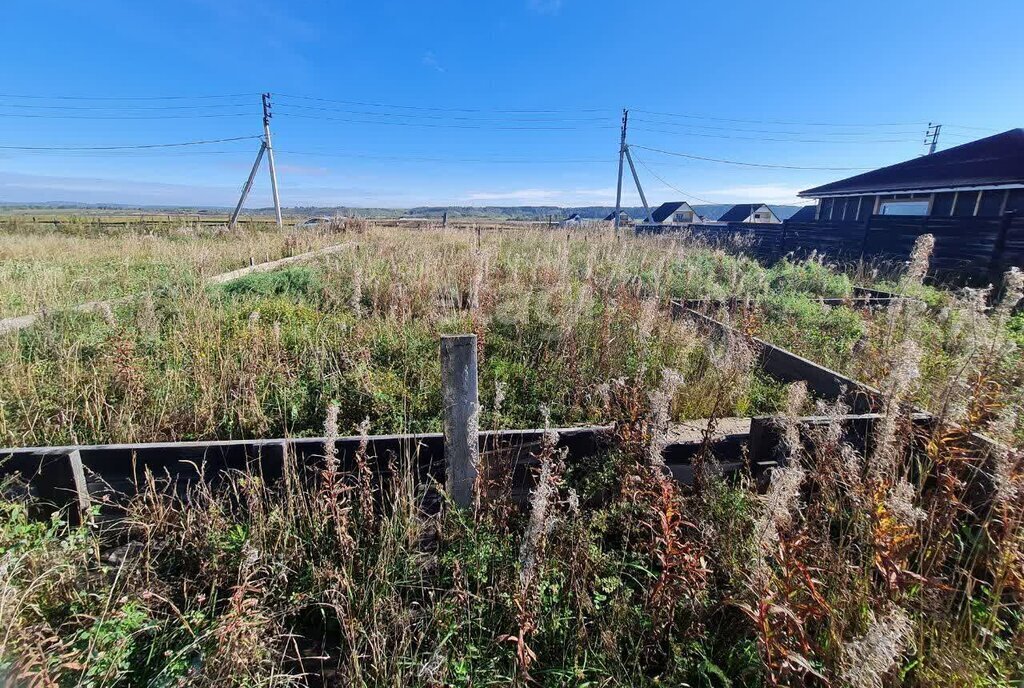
x: 640, y: 189
x: 265, y: 147
x: 622, y: 154
x: 248, y: 185
x: 270, y: 157
x: 931, y: 137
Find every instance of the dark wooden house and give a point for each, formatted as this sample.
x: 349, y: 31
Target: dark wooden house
x: 983, y: 178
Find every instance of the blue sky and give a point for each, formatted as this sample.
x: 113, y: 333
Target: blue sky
x: 504, y: 102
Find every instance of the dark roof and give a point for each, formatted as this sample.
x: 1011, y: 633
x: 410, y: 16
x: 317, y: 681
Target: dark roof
x: 573, y: 217
x: 666, y: 209
x: 997, y: 159
x: 622, y: 215
x: 805, y: 214
x: 739, y: 212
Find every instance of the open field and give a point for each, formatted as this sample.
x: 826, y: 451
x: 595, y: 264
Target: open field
x: 53, y: 270
x: 893, y: 561
x: 560, y: 321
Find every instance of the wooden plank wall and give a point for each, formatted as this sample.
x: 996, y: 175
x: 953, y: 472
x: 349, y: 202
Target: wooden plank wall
x: 758, y: 240
x: 840, y: 241
x: 968, y: 250
x: 1012, y: 253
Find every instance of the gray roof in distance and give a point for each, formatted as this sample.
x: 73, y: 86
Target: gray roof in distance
x: 997, y: 159
x: 805, y: 214
x: 739, y: 212
x: 665, y: 209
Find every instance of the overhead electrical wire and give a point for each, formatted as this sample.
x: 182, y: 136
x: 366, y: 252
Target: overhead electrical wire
x: 747, y: 164
x: 365, y: 103
x: 782, y: 122
x: 222, y: 106
x: 128, y: 154
x: 448, y: 126
x: 27, y: 115
x: 136, y: 146
x: 765, y: 138
x: 964, y: 126
x: 370, y: 113
x: 712, y: 127
x: 674, y: 188
x: 401, y: 158
x: 129, y: 98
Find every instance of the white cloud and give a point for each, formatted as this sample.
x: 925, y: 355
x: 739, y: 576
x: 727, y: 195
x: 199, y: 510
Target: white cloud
x: 303, y: 170
x: 430, y: 60
x: 545, y: 6
x: 600, y: 196
x: 772, y: 195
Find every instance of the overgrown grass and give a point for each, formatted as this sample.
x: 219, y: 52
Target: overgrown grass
x: 558, y: 322
x: 850, y: 569
x: 895, y: 561
x: 53, y: 270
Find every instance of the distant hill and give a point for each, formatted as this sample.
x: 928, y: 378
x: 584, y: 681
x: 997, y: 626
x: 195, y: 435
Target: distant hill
x: 521, y: 212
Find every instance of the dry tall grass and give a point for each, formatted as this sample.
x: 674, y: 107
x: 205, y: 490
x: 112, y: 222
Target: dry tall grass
x: 894, y: 563
x: 558, y: 318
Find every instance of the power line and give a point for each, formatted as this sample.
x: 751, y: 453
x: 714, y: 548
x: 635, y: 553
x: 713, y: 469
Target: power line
x: 402, y: 158
x: 444, y: 126
x: 128, y: 98
x: 445, y: 117
x: 764, y: 138
x: 25, y: 115
x: 439, y: 109
x: 769, y: 131
x: 783, y: 122
x: 748, y: 164
x: 127, y: 107
x: 127, y: 147
x: 963, y: 126
x: 122, y: 154
x: 674, y: 188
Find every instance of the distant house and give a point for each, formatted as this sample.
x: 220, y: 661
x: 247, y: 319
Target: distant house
x: 571, y: 221
x: 675, y: 213
x: 808, y: 213
x: 983, y: 178
x: 750, y: 212
x: 624, y: 217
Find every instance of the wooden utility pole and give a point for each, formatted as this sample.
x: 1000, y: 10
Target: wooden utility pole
x: 265, y: 147
x: 461, y: 415
x: 622, y: 154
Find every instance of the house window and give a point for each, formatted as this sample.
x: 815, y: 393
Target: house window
x: 904, y: 207
x: 683, y: 217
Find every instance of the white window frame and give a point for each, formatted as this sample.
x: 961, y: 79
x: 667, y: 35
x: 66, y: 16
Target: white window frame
x: 900, y: 201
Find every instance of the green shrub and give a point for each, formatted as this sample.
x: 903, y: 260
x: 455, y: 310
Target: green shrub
x: 298, y: 282
x: 809, y: 277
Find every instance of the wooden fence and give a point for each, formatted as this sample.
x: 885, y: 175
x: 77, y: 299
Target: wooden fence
x: 967, y: 249
x: 71, y: 478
